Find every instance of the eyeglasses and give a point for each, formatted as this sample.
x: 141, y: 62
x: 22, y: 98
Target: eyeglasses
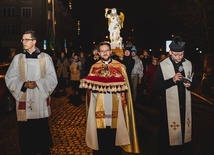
x: 178, y: 55
x: 26, y: 40
x: 102, y: 51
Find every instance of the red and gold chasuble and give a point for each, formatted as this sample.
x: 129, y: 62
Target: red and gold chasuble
x: 110, y: 78
x: 105, y: 78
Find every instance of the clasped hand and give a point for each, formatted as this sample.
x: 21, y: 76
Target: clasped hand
x: 30, y: 84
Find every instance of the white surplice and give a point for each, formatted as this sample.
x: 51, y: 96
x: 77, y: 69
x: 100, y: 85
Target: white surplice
x: 40, y: 70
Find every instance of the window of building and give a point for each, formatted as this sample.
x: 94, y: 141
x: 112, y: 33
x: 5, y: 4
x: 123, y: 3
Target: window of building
x: 26, y: 12
x: 26, y: 27
x: 8, y: 29
x: 49, y: 15
x: 8, y: 11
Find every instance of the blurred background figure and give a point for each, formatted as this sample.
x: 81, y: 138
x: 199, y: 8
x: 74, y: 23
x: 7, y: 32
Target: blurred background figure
x: 82, y: 58
x: 150, y: 75
x: 75, y: 74
x: 163, y: 56
x: 91, y: 59
x: 146, y: 60
x: 129, y: 62
x: 62, y: 75
x: 137, y: 73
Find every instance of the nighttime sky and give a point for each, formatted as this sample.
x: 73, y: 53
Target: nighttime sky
x: 146, y: 19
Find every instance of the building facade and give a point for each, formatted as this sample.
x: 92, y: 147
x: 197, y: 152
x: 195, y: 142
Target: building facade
x: 51, y: 19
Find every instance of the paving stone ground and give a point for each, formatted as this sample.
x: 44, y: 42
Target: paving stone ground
x: 68, y: 124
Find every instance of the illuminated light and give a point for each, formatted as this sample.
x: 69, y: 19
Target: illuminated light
x: 49, y: 15
x: 65, y: 44
x: 167, y: 45
x: 45, y: 45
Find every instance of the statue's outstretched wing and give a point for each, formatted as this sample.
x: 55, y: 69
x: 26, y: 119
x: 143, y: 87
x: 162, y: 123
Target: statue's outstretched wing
x: 109, y: 21
x: 122, y: 17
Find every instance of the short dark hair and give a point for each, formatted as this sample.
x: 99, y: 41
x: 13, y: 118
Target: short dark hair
x: 94, y: 48
x: 32, y: 33
x: 104, y: 43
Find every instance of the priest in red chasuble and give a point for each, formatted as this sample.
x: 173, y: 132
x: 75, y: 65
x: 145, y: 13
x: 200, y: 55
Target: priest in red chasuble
x: 111, y: 127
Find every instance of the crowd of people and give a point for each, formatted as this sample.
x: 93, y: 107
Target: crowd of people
x: 110, y: 86
x: 140, y: 67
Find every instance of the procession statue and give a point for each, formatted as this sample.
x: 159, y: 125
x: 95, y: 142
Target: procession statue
x: 115, y: 23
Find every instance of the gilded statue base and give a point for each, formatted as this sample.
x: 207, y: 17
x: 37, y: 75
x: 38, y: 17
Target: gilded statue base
x: 116, y: 49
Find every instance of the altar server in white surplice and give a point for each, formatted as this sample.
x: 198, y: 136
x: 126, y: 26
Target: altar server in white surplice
x: 31, y: 78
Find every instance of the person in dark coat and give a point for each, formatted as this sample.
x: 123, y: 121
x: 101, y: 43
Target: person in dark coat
x: 150, y: 76
x: 75, y: 76
x: 128, y: 61
x: 91, y: 59
x: 146, y: 60
x: 62, y: 74
x: 175, y: 129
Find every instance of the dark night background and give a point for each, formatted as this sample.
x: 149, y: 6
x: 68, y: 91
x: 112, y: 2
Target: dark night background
x: 146, y: 19
x: 153, y: 23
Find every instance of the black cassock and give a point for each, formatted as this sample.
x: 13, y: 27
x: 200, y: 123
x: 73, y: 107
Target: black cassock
x: 160, y: 86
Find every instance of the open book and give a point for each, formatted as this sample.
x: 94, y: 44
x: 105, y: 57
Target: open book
x: 188, y: 78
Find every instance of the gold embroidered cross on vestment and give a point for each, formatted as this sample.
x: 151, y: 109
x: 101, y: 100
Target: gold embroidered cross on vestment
x: 174, y: 125
x: 31, y: 105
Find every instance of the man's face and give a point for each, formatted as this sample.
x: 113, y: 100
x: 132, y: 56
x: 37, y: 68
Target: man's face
x: 28, y: 42
x: 62, y: 55
x: 145, y: 53
x: 154, y: 61
x: 127, y: 53
x: 176, y: 56
x: 95, y: 52
x: 133, y: 54
x: 76, y: 57
x: 104, y: 52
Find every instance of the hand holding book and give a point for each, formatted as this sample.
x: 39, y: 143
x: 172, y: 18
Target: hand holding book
x: 187, y: 79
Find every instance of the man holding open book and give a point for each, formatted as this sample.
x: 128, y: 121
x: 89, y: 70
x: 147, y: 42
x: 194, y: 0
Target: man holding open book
x: 174, y: 79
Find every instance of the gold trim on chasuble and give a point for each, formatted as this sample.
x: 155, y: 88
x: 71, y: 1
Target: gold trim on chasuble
x: 105, y: 78
x: 100, y: 111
